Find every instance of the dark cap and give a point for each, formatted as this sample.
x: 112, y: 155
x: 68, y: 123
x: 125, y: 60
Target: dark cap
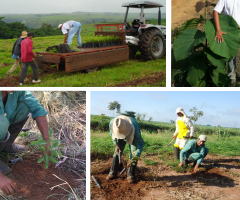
x: 30, y: 34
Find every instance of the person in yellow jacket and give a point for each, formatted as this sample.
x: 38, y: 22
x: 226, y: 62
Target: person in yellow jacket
x: 184, y: 130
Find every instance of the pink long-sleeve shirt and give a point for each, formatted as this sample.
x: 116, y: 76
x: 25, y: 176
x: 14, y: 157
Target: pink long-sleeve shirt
x: 26, y: 50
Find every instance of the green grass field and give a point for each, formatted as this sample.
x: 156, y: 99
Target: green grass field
x: 102, y: 148
x: 106, y: 76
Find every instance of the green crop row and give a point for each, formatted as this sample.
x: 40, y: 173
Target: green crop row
x: 102, y: 146
x: 101, y: 38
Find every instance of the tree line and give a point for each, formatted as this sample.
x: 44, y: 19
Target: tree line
x: 14, y: 30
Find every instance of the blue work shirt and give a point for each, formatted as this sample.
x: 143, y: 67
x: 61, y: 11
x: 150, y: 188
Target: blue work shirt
x: 137, y: 141
x: 190, y: 148
x: 27, y: 98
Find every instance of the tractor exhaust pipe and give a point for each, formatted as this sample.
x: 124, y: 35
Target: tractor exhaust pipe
x: 159, y: 16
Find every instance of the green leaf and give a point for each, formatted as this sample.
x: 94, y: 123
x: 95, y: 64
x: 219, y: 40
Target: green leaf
x: 46, y: 161
x: 59, y: 153
x: 52, y: 160
x: 40, y: 142
x: 197, y: 70
x: 230, y: 45
x: 40, y: 160
x: 192, y: 23
x: 34, y: 143
x: 54, y: 153
x: 215, y: 59
x: 43, y: 148
x: 56, y: 141
x: 54, y: 145
x: 184, y: 45
x: 220, y: 78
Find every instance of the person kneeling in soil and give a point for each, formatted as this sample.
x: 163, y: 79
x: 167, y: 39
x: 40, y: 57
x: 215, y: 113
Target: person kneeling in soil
x: 69, y: 29
x: 27, y: 59
x: 194, y: 152
x: 124, y: 130
x: 184, y: 130
x: 15, y: 109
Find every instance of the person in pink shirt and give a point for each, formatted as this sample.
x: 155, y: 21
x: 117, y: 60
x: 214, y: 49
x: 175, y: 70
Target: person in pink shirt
x: 27, y: 56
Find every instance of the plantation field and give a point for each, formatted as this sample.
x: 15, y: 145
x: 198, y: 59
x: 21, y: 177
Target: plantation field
x: 134, y: 72
x: 158, y: 174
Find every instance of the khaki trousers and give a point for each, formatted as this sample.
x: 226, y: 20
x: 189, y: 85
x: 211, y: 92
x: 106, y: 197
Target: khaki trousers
x: 15, y: 66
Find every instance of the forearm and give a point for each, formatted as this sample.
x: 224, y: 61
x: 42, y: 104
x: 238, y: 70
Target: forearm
x: 65, y: 39
x: 43, y: 126
x: 216, y: 20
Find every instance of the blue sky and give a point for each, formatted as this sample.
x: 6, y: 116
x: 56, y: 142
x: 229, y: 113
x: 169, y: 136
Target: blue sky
x: 59, y: 6
x: 219, y: 108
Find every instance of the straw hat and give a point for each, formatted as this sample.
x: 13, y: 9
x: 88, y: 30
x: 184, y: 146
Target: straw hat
x: 122, y: 127
x: 24, y: 34
x: 180, y: 110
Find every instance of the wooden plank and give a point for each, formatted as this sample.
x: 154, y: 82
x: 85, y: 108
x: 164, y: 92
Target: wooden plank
x: 48, y: 58
x: 45, y: 67
x: 96, y: 59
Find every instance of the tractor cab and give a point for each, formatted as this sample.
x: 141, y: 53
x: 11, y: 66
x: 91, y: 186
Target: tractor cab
x: 138, y: 23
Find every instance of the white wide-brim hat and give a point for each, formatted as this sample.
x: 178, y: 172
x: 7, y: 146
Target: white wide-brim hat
x: 122, y: 127
x: 180, y: 110
x: 60, y: 25
x: 203, y: 138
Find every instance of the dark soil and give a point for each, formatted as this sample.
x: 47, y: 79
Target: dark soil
x: 13, y: 81
x: 28, y: 177
x: 161, y: 182
x: 151, y: 79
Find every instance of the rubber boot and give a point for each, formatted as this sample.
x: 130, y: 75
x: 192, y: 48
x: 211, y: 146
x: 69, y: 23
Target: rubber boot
x: 15, y: 129
x: 131, y: 173
x: 177, y: 153
x: 3, y: 167
x: 114, y: 169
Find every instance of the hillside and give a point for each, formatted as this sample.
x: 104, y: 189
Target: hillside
x: 36, y: 20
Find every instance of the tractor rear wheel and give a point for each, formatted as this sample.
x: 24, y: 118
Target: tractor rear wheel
x: 152, y: 44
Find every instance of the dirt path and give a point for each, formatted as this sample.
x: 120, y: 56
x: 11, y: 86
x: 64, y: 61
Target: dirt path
x: 183, y: 10
x: 151, y: 79
x: 218, y: 179
x: 28, y: 177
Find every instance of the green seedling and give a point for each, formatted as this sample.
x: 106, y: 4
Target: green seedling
x: 53, y: 149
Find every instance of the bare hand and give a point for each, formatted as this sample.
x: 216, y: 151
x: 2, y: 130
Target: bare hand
x: 6, y: 185
x: 219, y: 37
x: 180, y: 164
x: 118, y: 150
x: 196, y: 169
x: 35, y: 56
x: 191, y: 137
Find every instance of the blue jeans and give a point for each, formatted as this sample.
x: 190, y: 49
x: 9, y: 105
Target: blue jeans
x: 232, y: 64
x: 19, y: 114
x: 76, y: 29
